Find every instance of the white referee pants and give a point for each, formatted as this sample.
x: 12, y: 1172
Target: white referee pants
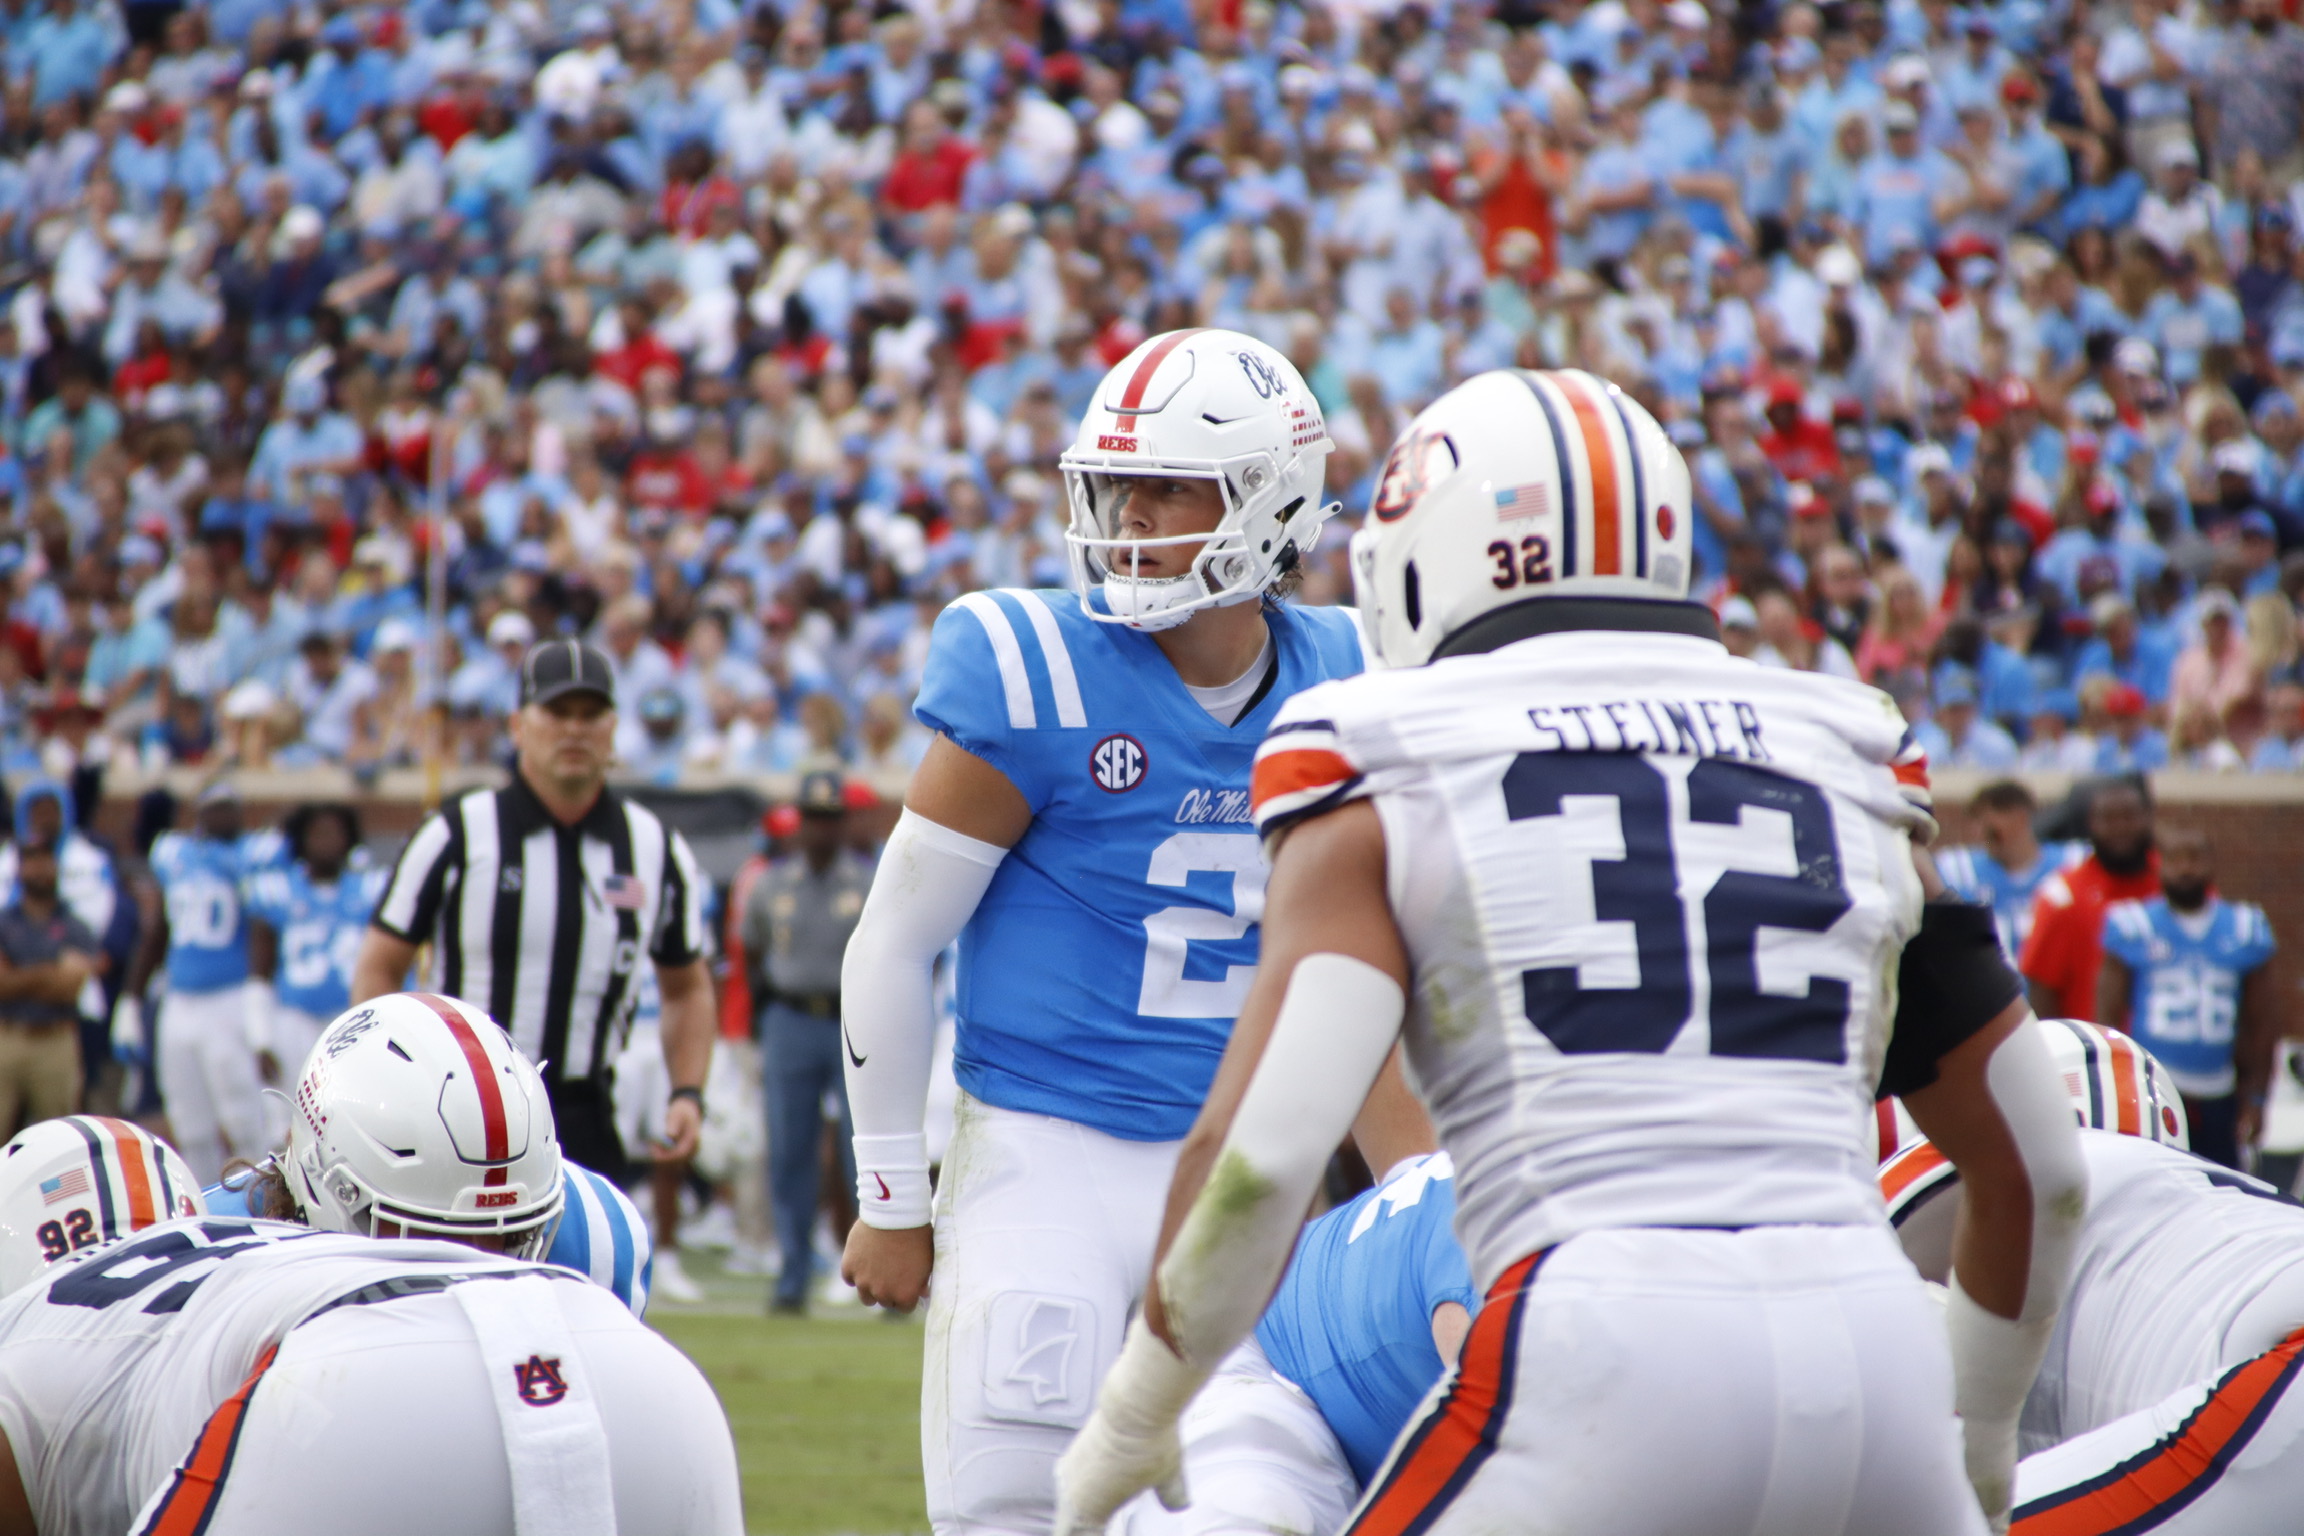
x: 384, y: 1420
x: 1777, y: 1381
x: 1044, y: 1238
x: 208, y: 1080
x: 1258, y: 1458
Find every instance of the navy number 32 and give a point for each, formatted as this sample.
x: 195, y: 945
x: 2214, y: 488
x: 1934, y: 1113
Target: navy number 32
x: 1643, y: 889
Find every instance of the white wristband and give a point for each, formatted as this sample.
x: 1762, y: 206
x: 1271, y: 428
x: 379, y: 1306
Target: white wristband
x: 892, y: 1181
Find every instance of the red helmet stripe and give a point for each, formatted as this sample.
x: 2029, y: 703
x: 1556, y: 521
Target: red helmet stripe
x: 1141, y: 379
x: 1600, y: 454
x: 130, y: 1147
x: 483, y: 1076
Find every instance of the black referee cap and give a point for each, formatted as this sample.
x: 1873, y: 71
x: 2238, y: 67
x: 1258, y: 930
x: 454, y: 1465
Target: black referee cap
x: 559, y: 667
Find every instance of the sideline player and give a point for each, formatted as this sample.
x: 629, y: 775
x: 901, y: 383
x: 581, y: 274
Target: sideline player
x: 206, y: 1055
x: 245, y: 1378
x: 2064, y: 952
x: 1646, y: 896
x: 2167, y: 1401
x: 1081, y: 823
x: 2011, y: 866
x: 1373, y: 1308
x: 385, y: 1076
x: 306, y: 918
x: 2189, y: 974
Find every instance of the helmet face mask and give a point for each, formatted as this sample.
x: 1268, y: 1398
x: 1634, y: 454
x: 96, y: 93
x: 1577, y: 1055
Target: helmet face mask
x: 416, y: 1117
x: 1196, y: 405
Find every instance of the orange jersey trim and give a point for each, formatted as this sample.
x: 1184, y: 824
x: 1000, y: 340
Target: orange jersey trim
x: 1294, y: 771
x: 191, y: 1502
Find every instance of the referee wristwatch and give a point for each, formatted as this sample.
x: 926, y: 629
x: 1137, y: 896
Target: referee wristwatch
x: 694, y: 1094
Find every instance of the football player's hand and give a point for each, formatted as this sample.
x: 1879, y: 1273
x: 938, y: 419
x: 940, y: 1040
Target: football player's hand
x: 1106, y: 1466
x: 889, y: 1265
x: 128, y: 1029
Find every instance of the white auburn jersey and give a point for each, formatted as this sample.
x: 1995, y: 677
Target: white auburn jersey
x: 2183, y: 1268
x: 113, y: 1361
x: 1654, y: 898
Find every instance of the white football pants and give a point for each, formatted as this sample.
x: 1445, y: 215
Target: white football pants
x: 208, y: 1079
x: 399, y: 1417
x: 2222, y: 1458
x: 1044, y: 1239
x: 1775, y: 1381
x: 1258, y: 1459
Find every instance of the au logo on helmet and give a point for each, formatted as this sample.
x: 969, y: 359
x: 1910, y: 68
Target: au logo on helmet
x: 1117, y: 764
x: 1420, y: 461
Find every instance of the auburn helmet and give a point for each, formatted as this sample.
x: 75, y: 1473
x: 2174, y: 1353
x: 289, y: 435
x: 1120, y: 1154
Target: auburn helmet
x: 1513, y: 486
x: 80, y: 1182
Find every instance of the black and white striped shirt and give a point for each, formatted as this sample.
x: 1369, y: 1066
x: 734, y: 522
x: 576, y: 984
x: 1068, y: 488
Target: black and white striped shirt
x: 543, y: 925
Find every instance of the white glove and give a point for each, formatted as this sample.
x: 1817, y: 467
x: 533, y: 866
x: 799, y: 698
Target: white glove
x: 1129, y: 1443
x: 128, y: 1039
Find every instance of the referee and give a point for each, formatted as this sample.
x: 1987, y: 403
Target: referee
x: 544, y: 896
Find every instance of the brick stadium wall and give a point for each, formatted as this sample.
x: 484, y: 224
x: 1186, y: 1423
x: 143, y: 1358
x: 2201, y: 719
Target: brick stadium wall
x: 2258, y: 827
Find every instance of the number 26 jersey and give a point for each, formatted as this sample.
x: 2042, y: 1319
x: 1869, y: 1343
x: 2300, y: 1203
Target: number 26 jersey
x: 1654, y: 898
x: 1102, y: 970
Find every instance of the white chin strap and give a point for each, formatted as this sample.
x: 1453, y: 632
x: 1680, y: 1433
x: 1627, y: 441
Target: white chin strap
x: 1163, y: 602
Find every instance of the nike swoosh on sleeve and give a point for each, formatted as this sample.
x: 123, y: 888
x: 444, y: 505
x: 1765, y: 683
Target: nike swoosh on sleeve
x: 844, y: 1040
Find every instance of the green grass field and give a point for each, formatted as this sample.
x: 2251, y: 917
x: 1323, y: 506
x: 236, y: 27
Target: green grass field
x: 826, y: 1409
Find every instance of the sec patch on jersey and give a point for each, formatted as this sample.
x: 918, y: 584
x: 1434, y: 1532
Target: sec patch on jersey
x: 1118, y: 764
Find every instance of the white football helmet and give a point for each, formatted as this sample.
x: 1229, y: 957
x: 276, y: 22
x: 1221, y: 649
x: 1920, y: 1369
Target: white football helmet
x: 80, y: 1182
x: 2116, y: 1084
x: 1517, y: 485
x: 415, y: 1109
x: 1198, y: 405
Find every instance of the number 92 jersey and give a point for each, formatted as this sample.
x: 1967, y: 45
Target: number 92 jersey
x: 113, y: 1361
x: 1102, y: 971
x: 1654, y: 897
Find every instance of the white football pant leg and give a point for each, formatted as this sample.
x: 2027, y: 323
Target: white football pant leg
x: 2224, y: 1457
x: 380, y: 1421
x: 1258, y: 1459
x: 209, y: 1084
x: 1044, y: 1238
x: 1778, y: 1381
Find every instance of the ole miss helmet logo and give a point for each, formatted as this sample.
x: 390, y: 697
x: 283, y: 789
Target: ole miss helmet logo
x: 1118, y: 764
x: 541, y: 1383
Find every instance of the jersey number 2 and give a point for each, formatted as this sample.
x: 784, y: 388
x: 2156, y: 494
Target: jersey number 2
x: 1168, y: 933
x: 1643, y: 889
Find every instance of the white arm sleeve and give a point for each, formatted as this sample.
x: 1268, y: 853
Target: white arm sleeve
x: 1994, y: 1359
x: 929, y: 881
x: 1336, y: 1026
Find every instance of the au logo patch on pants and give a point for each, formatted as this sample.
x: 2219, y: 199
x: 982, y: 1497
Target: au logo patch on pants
x: 1039, y: 1354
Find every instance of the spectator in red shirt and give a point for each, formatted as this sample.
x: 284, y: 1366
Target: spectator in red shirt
x: 2064, y: 953
x: 665, y: 474
x: 929, y: 167
x: 1799, y: 448
x: 641, y: 350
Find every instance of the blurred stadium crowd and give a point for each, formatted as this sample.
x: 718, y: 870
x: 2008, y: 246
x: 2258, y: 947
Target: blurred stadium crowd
x: 740, y: 340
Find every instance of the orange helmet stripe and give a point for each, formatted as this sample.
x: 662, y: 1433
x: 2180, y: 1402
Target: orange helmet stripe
x: 131, y: 1147
x: 1600, y: 455
x: 2126, y: 1069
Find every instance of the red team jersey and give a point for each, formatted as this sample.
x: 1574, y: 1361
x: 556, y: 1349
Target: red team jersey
x: 2065, y: 949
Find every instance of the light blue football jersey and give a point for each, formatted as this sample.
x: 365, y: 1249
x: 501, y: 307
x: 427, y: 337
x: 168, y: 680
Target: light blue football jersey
x: 1978, y: 877
x: 320, y: 926
x: 204, y: 884
x: 1352, y: 1321
x: 1102, y: 971
x: 600, y: 1236
x: 2185, y: 975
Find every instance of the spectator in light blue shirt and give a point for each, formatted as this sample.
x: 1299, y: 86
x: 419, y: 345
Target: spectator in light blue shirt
x: 64, y: 52
x: 1956, y: 736
x: 1617, y: 190
x: 1407, y: 355
x: 2188, y: 318
x: 1904, y: 193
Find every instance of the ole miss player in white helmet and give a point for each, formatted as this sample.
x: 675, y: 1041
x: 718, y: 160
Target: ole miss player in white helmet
x: 1640, y: 907
x: 1081, y: 825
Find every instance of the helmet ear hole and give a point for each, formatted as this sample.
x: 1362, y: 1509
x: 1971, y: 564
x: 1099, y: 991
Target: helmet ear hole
x: 1412, y: 596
